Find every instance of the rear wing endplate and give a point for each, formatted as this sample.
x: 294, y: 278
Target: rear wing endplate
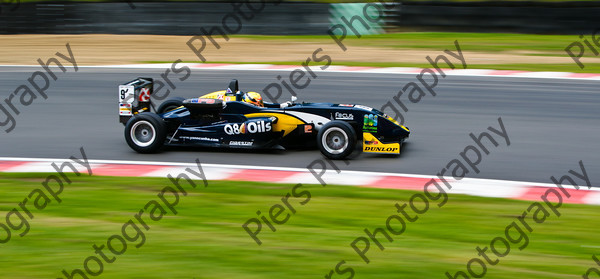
x: 134, y: 97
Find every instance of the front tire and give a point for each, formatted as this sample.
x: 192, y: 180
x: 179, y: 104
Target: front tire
x: 336, y: 140
x: 146, y: 132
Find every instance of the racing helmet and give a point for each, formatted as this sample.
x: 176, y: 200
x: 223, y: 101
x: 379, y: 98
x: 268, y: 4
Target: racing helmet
x: 253, y: 98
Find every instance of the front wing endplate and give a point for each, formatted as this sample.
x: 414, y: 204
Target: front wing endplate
x: 372, y: 145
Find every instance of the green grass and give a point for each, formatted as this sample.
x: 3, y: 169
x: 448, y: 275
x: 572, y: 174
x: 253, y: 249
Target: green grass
x: 491, y: 42
x: 520, y: 44
x: 589, y: 67
x: 205, y: 238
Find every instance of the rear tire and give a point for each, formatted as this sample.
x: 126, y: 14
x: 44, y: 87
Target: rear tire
x: 336, y: 140
x: 146, y: 132
x: 170, y: 104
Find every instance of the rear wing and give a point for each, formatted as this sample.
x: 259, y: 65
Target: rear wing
x: 134, y: 97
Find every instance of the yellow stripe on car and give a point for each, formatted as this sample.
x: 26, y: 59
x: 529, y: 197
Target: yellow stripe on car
x: 285, y: 122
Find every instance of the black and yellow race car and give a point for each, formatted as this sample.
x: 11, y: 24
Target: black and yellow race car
x: 235, y: 119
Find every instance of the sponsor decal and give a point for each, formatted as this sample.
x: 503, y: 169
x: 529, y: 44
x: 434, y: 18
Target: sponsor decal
x: 370, y: 123
x: 344, y: 116
x: 126, y: 98
x: 346, y: 105
x: 199, y: 138
x: 363, y: 107
x: 308, y: 129
x: 228, y: 98
x: 248, y: 127
x: 144, y: 95
x: 241, y: 143
x: 381, y: 149
x: 371, y: 142
x: 203, y: 101
x: 125, y: 109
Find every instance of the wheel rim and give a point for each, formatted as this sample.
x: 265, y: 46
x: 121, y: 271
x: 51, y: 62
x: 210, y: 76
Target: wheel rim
x: 143, y: 133
x: 335, y: 140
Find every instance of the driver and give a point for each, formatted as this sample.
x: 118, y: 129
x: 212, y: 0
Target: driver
x: 246, y: 97
x: 253, y: 98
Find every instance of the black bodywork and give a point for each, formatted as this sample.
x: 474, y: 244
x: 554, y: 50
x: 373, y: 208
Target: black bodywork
x: 243, y: 121
x: 220, y: 127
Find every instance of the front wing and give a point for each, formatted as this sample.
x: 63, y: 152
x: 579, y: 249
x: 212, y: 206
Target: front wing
x: 372, y: 145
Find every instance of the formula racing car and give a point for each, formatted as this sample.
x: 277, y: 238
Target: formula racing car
x: 232, y: 118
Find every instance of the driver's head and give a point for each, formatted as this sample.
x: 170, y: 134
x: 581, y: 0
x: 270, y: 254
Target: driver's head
x: 253, y: 98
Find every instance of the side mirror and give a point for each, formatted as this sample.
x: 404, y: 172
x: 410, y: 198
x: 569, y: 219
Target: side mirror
x: 294, y: 98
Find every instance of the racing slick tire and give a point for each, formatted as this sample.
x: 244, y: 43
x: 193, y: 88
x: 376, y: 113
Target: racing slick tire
x: 336, y: 140
x: 146, y: 132
x: 170, y: 104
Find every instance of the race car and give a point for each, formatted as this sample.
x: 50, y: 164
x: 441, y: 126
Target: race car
x: 232, y: 118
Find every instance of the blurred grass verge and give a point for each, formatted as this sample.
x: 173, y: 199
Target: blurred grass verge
x: 492, y: 42
x: 590, y: 67
x: 532, y: 50
x: 205, y: 239
x: 523, y: 52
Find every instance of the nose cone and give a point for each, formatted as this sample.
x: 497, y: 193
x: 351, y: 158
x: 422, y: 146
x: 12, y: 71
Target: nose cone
x: 402, y: 132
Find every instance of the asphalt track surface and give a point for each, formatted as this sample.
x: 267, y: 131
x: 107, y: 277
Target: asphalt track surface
x: 552, y: 124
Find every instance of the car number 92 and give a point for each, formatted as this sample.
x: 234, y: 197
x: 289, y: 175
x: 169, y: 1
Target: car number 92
x: 248, y: 128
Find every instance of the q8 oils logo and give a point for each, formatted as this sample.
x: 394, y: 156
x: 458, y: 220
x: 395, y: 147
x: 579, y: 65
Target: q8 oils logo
x: 249, y: 127
x: 370, y: 123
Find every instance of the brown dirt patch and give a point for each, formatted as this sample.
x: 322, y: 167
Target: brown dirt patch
x: 130, y: 49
